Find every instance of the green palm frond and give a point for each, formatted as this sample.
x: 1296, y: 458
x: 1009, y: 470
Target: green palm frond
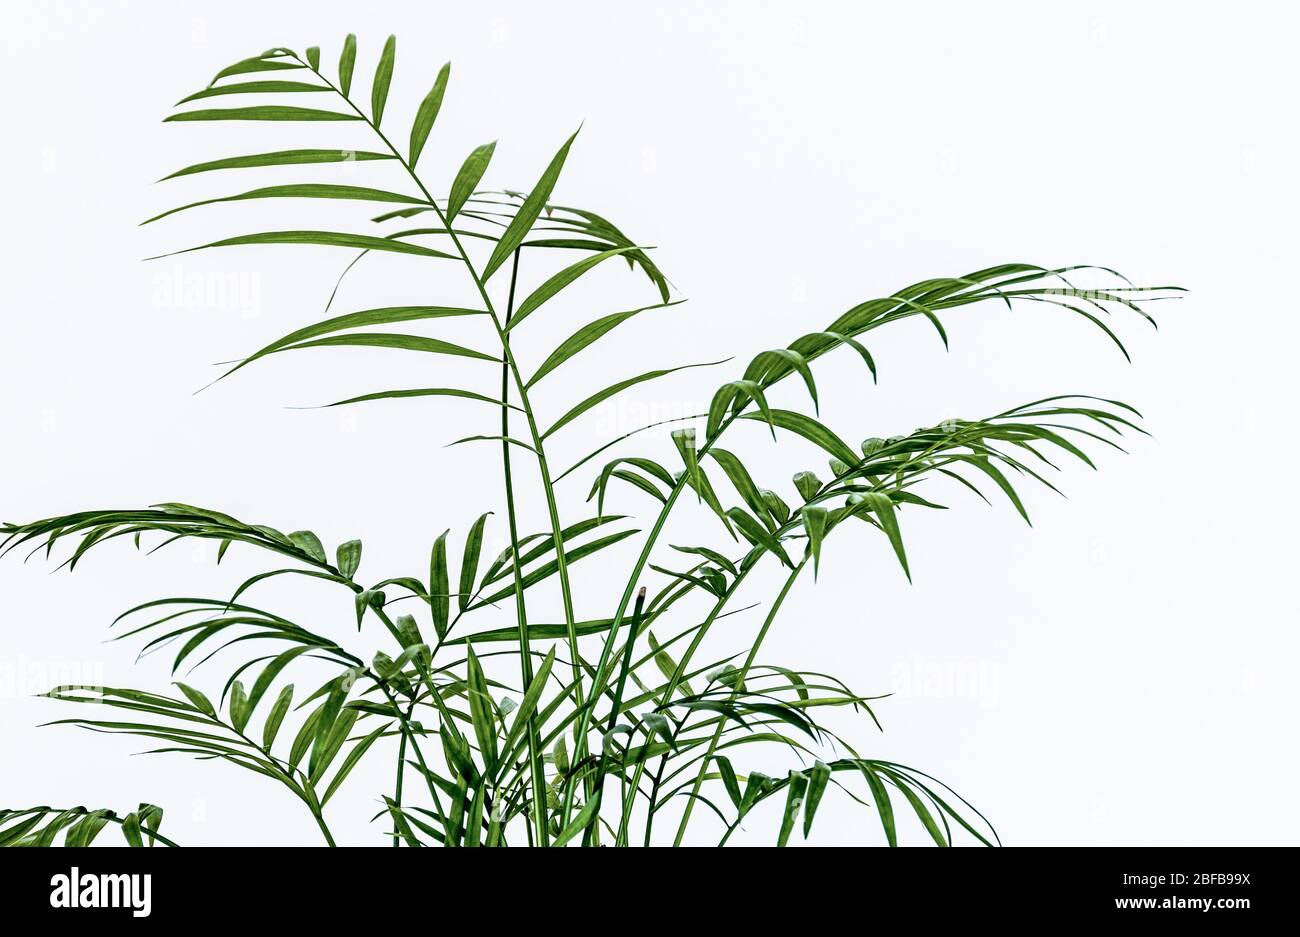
x: 79, y: 826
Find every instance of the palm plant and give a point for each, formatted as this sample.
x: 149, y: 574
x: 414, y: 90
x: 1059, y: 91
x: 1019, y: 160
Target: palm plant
x: 586, y: 730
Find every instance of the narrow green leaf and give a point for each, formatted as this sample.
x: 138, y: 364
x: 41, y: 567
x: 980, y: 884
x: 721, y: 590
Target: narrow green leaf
x: 273, y: 670
x: 131, y: 831
x: 402, y: 823
x: 756, y: 533
x: 712, y: 556
x: 261, y: 112
x: 276, y: 716
x: 280, y: 158
x: 602, y: 395
x: 814, y: 524
x: 741, y: 480
x: 795, y: 790
x: 151, y: 817
x: 579, y: 823
x: 394, y: 340
x: 253, y: 87
x: 257, y: 64
x: 383, y: 78
x: 588, y: 334
x: 668, y: 667
x: 684, y: 440
x: 306, y: 733
x: 338, y: 735
x: 439, y: 585
x: 559, y: 281
x: 539, y: 545
x: 809, y: 429
x: 818, y: 778
x: 789, y: 358
x: 325, y: 724
x: 728, y: 774
x: 347, y: 63
x: 469, y: 561
x: 198, y: 698
x: 992, y: 471
x: 536, y: 632
x: 239, y: 708
x: 528, y: 212
x: 417, y: 392
x: 353, y: 757
x: 366, y: 317
x: 324, y: 238
x: 481, y: 712
x: 467, y: 179
x: 494, y: 437
x: 736, y: 394
x: 474, y: 820
x: 884, y: 509
x: 313, y: 57
x: 528, y: 705
x: 308, y: 190
x: 84, y: 833
x: 427, y: 114
x: 547, y: 570
x: 919, y: 808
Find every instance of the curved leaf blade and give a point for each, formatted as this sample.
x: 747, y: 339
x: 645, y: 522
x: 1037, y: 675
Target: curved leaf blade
x: 309, y: 190
x: 467, y: 179
x: 352, y: 320
x: 260, y: 112
x: 528, y: 212
x: 559, y: 281
x: 323, y: 238
x: 280, y: 158
x: 253, y: 87
x: 585, y: 336
x: 602, y: 395
x: 810, y: 429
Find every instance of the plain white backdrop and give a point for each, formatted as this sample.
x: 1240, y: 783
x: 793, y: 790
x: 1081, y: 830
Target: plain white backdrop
x: 1121, y: 673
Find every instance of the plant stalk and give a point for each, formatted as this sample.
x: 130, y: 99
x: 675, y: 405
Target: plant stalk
x: 735, y: 692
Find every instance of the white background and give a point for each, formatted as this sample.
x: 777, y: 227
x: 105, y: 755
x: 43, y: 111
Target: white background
x: 1121, y: 673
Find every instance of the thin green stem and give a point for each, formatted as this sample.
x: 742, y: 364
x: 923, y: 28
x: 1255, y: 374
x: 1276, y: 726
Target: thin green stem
x: 408, y: 737
x: 521, y: 617
x: 598, y: 681
x: 615, y: 706
x: 507, y: 354
x: 740, y: 682
x: 397, y: 784
x: 602, y: 667
x: 673, y: 682
x: 325, y: 830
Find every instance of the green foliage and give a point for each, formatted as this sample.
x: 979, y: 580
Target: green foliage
x: 574, y: 731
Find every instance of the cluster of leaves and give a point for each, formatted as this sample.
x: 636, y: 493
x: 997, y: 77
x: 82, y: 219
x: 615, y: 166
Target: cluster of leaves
x: 574, y: 730
x: 79, y: 826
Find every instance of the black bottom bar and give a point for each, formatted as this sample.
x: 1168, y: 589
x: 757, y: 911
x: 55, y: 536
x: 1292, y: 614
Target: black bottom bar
x: 141, y: 887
